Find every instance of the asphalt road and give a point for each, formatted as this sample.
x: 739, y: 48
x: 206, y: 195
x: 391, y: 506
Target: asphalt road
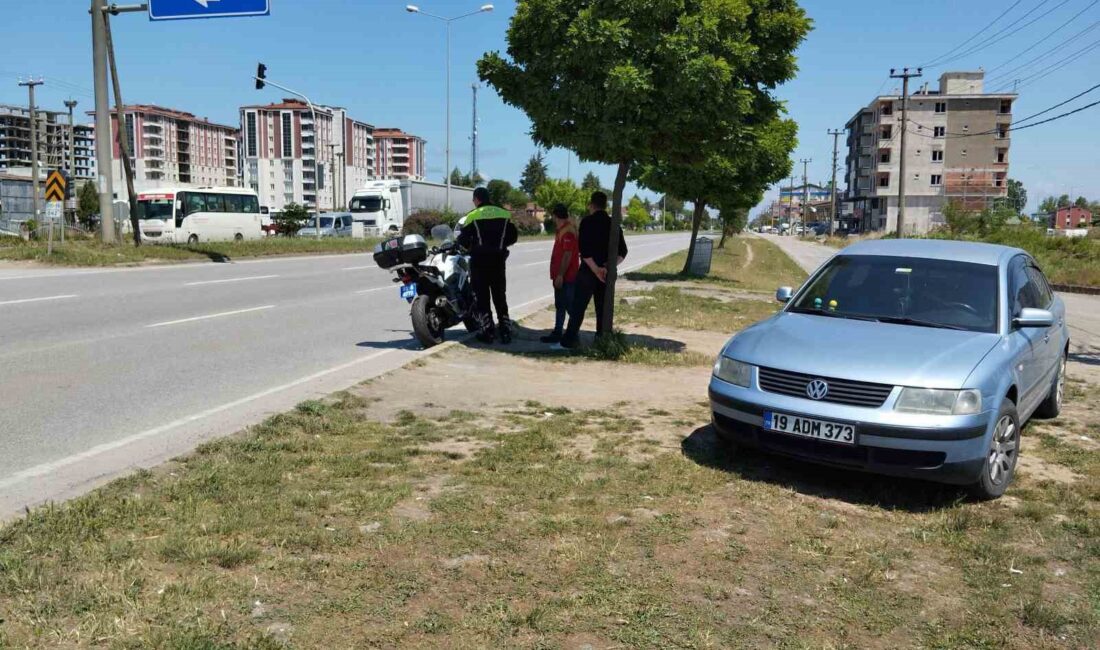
x: 102, y: 371
x: 1082, y: 311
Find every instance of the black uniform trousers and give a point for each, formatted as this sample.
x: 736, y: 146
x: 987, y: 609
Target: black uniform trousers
x: 588, y: 288
x: 490, y: 288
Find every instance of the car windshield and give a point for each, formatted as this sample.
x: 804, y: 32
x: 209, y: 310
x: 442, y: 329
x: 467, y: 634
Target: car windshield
x: 326, y: 222
x: 905, y: 290
x: 366, y: 204
x: 155, y: 209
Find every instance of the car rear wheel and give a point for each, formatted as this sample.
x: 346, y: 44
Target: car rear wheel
x: 427, y: 322
x: 193, y: 239
x: 1004, y: 451
x: 238, y: 237
x: 1052, y: 405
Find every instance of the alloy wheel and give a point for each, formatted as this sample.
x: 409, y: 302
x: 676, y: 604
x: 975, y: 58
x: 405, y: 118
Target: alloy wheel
x: 1060, y: 388
x: 1002, y: 453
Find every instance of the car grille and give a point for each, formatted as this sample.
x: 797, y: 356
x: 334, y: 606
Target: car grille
x: 841, y: 391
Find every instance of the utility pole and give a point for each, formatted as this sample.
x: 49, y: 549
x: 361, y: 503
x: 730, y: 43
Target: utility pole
x: 71, y: 104
x: 905, y: 76
x: 343, y: 181
x: 805, y: 194
x: 103, y: 153
x: 473, y: 139
x: 30, y: 85
x: 332, y: 157
x: 833, y: 215
x: 790, y: 202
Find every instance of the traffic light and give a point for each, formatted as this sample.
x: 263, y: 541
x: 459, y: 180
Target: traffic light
x: 261, y: 75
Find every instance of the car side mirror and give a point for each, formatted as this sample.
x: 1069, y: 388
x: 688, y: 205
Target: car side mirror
x: 1031, y: 317
x: 783, y: 294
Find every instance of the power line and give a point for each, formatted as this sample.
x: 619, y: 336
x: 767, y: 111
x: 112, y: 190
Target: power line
x: 1028, y: 126
x: 976, y: 35
x: 1058, y: 105
x: 1061, y: 63
x: 1058, y: 29
x: 1001, y: 35
x: 1012, y: 72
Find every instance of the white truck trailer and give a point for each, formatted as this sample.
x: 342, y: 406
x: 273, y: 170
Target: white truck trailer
x: 382, y: 206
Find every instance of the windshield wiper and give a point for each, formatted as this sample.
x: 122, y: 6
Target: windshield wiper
x: 830, y: 314
x: 905, y: 320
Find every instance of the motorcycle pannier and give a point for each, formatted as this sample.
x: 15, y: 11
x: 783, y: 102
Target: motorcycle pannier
x: 412, y: 249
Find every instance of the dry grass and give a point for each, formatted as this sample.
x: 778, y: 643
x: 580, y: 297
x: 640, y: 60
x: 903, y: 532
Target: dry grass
x: 764, y: 269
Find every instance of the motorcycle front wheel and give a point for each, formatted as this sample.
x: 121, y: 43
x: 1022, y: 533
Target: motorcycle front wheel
x: 428, y: 321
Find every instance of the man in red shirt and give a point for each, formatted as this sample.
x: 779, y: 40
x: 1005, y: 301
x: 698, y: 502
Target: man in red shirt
x: 564, y: 263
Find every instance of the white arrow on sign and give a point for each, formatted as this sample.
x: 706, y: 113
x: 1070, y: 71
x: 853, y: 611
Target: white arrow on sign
x: 206, y: 3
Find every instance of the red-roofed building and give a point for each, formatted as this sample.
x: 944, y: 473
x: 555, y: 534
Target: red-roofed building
x: 281, y: 146
x: 173, y: 147
x: 400, y: 154
x: 1071, y: 218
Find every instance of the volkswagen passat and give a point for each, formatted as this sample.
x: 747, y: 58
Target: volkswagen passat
x: 919, y: 358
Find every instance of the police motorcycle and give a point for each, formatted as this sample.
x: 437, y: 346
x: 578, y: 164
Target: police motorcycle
x: 435, y: 281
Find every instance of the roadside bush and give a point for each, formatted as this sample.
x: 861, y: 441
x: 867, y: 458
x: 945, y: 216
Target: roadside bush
x: 422, y: 222
x: 527, y: 224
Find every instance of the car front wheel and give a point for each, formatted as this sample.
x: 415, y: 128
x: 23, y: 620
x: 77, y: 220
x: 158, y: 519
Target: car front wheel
x: 1004, y: 451
x: 1052, y: 405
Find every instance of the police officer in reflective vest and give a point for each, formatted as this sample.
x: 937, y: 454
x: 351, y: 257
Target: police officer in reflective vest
x: 487, y: 232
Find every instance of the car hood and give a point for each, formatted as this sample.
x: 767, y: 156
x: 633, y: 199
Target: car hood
x: 884, y: 353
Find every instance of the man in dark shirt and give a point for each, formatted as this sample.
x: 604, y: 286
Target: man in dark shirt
x: 594, y: 233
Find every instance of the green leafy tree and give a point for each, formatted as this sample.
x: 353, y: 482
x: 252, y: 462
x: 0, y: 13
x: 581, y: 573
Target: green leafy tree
x: 744, y: 167
x: 291, y: 219
x: 1081, y: 202
x: 564, y: 191
x: 465, y: 180
x: 534, y: 174
x: 87, y: 203
x: 591, y: 183
x: 1049, y: 204
x: 499, y: 191
x: 1064, y: 201
x: 637, y: 217
x: 1017, y: 195
x: 622, y: 82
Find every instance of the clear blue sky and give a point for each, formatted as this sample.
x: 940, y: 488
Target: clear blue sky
x: 386, y: 66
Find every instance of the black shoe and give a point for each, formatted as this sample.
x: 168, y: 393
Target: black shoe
x: 486, y: 336
x: 568, y: 344
x: 505, y: 335
x: 551, y: 338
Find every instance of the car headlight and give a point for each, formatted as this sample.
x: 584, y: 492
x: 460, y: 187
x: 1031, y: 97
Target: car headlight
x: 939, y: 402
x: 733, y: 372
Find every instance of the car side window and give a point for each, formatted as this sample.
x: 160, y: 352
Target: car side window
x: 1024, y: 294
x: 196, y: 202
x: 1046, y: 295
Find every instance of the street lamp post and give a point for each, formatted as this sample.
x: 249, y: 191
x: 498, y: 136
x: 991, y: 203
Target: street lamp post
x: 413, y: 9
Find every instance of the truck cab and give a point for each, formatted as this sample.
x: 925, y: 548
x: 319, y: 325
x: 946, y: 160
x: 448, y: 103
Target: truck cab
x: 379, y: 206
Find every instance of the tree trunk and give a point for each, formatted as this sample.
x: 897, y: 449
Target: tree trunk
x: 613, y: 244
x: 725, y: 231
x: 696, y: 219
x: 123, y: 143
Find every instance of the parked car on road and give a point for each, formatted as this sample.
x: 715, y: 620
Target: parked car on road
x: 917, y: 358
x: 332, y: 225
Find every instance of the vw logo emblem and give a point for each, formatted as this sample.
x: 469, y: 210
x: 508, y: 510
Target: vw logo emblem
x: 817, y: 389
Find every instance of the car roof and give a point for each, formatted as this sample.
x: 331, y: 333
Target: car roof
x: 937, y: 249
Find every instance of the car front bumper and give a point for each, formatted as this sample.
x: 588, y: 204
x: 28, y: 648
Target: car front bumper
x: 946, y: 449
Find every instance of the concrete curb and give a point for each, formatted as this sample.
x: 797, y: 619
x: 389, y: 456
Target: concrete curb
x: 1076, y: 288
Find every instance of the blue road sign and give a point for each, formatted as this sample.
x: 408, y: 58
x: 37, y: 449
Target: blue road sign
x: 182, y: 9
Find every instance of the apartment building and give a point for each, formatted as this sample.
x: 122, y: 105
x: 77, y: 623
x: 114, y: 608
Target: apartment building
x: 400, y: 154
x: 957, y: 150
x: 53, y: 143
x: 171, y: 147
x: 282, y: 146
x: 789, y: 203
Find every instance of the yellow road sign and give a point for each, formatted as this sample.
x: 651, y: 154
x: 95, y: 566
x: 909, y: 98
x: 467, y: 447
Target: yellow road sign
x: 55, y: 186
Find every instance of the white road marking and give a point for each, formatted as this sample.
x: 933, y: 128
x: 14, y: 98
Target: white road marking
x: 360, y: 268
x: 374, y: 289
x: 26, y: 300
x: 218, y: 315
x: 251, y: 277
x: 51, y: 467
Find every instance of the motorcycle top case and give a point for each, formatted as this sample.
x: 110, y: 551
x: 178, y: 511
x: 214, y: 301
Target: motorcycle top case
x: 412, y: 249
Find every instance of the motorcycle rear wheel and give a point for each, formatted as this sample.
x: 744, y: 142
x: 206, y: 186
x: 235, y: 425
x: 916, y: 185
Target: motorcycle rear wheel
x: 427, y: 321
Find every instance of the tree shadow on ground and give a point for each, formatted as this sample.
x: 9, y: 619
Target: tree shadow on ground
x: 525, y: 342
x: 704, y: 447
x: 640, y: 276
x: 1086, y: 358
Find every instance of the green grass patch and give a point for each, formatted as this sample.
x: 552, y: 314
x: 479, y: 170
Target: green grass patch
x: 1064, y: 260
x: 674, y: 307
x: 90, y: 252
x: 731, y: 266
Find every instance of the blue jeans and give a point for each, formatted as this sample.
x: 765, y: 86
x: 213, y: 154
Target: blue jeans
x: 563, y: 302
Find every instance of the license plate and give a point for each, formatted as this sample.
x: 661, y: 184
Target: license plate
x: 810, y: 428
x: 408, y: 291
